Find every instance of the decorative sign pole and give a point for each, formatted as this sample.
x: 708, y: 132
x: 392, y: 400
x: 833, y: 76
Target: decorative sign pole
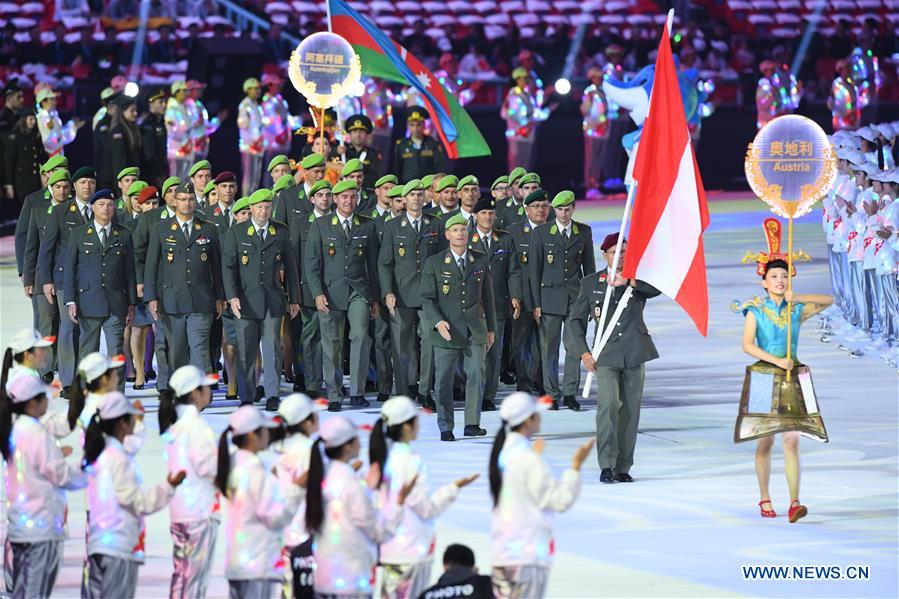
x: 790, y: 165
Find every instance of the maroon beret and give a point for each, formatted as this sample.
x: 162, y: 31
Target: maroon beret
x: 610, y: 241
x: 226, y: 177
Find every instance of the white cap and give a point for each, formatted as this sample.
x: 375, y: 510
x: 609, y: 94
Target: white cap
x: 247, y: 419
x: 894, y: 175
x: 189, y: 377
x: 868, y: 168
x: 855, y: 157
x: 27, y: 339
x: 115, y: 404
x: 884, y: 129
x: 336, y: 431
x: 519, y: 406
x: 95, y: 364
x: 398, y: 410
x: 25, y: 387
x: 866, y: 133
x: 297, y: 407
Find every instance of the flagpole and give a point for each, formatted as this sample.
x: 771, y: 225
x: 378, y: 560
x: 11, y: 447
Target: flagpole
x: 328, y: 13
x: 789, y: 288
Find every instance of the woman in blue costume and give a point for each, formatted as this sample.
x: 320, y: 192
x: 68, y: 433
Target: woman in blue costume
x: 771, y: 403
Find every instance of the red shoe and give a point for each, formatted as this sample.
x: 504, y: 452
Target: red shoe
x: 767, y: 513
x: 797, y: 511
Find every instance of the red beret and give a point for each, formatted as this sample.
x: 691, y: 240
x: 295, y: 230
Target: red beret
x: 226, y: 177
x: 610, y: 241
x: 147, y: 193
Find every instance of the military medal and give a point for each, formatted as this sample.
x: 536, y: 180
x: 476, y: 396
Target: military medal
x: 170, y: 257
x: 447, y: 260
x: 196, y: 226
x: 174, y: 227
x: 244, y: 259
x: 596, y: 312
x: 446, y: 290
x: 90, y: 231
x: 549, y: 259
x: 204, y: 257
x: 72, y: 208
x: 402, y: 251
x: 524, y: 258
x: 331, y: 250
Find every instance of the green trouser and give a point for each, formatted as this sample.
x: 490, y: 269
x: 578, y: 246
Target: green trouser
x: 312, y: 352
x: 46, y: 321
x: 526, y: 347
x: 253, y: 335
x: 445, y: 360
x: 494, y: 362
x: 382, y: 354
x: 333, y: 326
x: 404, y: 339
x: 619, y: 392
x: 551, y: 338
x: 426, y: 363
x: 188, y: 339
x: 113, y: 328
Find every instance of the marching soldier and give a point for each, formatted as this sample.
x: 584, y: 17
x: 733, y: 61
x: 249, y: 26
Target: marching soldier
x: 525, y: 333
x: 561, y: 255
x: 447, y: 197
x: 179, y: 137
x: 54, y: 134
x: 238, y: 213
x: 225, y: 194
x: 321, y: 197
x: 182, y: 276
x: 352, y: 170
x: 253, y: 259
x: 620, y: 368
x: 35, y: 201
x: 359, y: 127
x: 126, y: 177
x: 99, y: 286
x: 209, y: 195
x: 295, y: 201
x: 252, y: 140
x: 102, y: 144
x: 13, y: 106
x: 417, y: 154
x: 428, y: 184
x: 383, y: 187
x: 154, y: 140
x: 501, y: 194
x: 200, y: 175
x: 469, y: 193
x: 341, y: 265
x: 499, y: 248
x: 457, y: 295
x: 407, y: 243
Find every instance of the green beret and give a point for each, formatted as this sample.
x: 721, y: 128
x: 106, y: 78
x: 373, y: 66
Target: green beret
x: 467, y: 180
x: 413, y: 185
x: 55, y: 162
x: 279, y: 159
x: 529, y: 178
x: 447, y: 181
x: 427, y: 181
x: 353, y: 165
x: 241, y: 204
x: 283, y: 182
x: 57, y: 176
x: 168, y: 183
x: 563, y: 198
x: 261, y: 195
x: 386, y: 179
x: 345, y: 185
x: 137, y: 187
x: 318, y: 186
x: 209, y: 187
x: 456, y: 219
x: 500, y: 179
x: 539, y: 195
x: 312, y: 161
x: 396, y: 191
x: 85, y: 172
x: 516, y: 172
x: 200, y: 166
x: 128, y: 170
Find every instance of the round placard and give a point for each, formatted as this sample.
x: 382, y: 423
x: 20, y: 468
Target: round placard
x: 790, y: 165
x: 324, y: 68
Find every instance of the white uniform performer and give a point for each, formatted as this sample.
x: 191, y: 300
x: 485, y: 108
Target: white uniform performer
x: 406, y: 559
x: 252, y: 139
x: 179, y: 131
x: 258, y: 507
x: 195, y: 510
x: 91, y: 372
x: 525, y: 494
x: 54, y: 134
x: 38, y: 476
x: 117, y: 502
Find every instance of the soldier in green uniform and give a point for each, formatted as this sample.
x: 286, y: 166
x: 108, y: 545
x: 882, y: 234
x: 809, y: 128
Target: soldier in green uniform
x: 124, y: 180
x: 321, y: 197
x: 427, y: 184
x: 341, y: 263
x: 469, y: 190
x: 352, y: 170
x: 200, y: 175
x: 225, y: 195
x: 359, y: 127
x: 457, y: 295
x: 514, y: 211
x: 447, y: 197
x: 621, y: 365
x: 525, y: 333
x: 36, y: 200
x: 499, y: 247
x: 238, y: 213
x: 99, y: 287
x: 561, y: 255
x: 417, y: 154
x: 154, y: 140
x: 382, y: 205
x: 408, y: 241
x: 295, y: 200
x: 253, y: 258
x: 183, y: 277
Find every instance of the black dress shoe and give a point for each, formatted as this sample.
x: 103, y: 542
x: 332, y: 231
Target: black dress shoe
x: 447, y: 436
x: 289, y: 378
x: 473, y: 431
x: 138, y: 387
x: 507, y: 378
x: 383, y: 397
x: 555, y: 405
x: 334, y: 406
x: 624, y: 477
x: 150, y: 374
x: 260, y: 393
x: 607, y: 476
x: 47, y: 378
x: 231, y: 397
x: 66, y: 393
x: 271, y: 404
x: 358, y: 401
x: 571, y: 403
x: 299, y: 387
x: 214, y: 387
x: 429, y: 404
x: 488, y: 406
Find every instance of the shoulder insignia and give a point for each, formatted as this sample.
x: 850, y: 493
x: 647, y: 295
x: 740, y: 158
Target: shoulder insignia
x: 334, y: 220
x: 271, y: 229
x: 447, y: 259
x: 251, y: 230
x: 90, y: 231
x: 115, y: 232
x: 311, y: 217
x: 553, y: 230
x: 403, y: 222
x: 163, y: 214
x: 475, y: 238
x: 196, y: 226
x: 527, y: 229
x: 575, y: 229
x: 427, y: 221
x: 174, y: 226
x: 72, y: 208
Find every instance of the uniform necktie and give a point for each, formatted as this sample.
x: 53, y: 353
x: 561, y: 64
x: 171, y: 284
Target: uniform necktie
x: 346, y: 228
x: 565, y: 234
x: 261, y: 233
x: 487, y: 242
x: 461, y: 264
x: 470, y: 223
x: 415, y: 226
x: 186, y: 229
x: 103, y: 237
x: 86, y: 214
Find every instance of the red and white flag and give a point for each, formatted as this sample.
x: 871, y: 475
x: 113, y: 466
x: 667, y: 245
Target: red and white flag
x: 670, y: 214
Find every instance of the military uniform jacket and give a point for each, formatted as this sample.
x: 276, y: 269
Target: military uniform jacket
x: 299, y: 235
x: 366, y: 203
x: 153, y: 165
x: 100, y: 280
x: 629, y: 344
x: 335, y: 265
x: 222, y: 220
x: 251, y: 270
x: 414, y: 163
x: 522, y: 233
x: 509, y: 214
x: 463, y: 299
x: 141, y: 237
x: 403, y: 255
x: 54, y: 243
x: 506, y: 271
x: 371, y: 163
x: 37, y: 201
x: 22, y: 158
x: 185, y: 276
x: 291, y: 203
x: 103, y: 154
x: 8, y: 120
x: 37, y: 224
x: 557, y: 266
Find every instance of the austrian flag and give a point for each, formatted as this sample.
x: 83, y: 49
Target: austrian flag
x: 670, y: 212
